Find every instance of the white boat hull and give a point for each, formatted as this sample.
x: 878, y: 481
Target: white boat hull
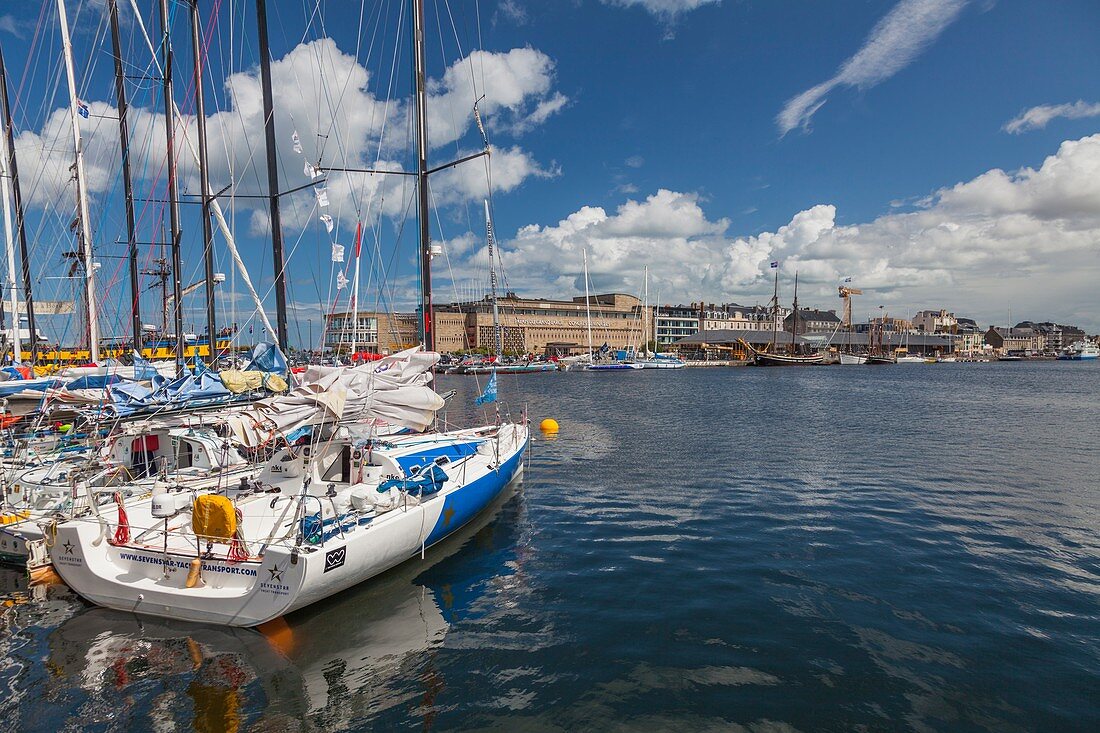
x: 283, y: 577
x: 851, y: 359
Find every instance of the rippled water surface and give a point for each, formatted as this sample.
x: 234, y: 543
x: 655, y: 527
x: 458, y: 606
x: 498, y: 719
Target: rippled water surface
x: 896, y: 548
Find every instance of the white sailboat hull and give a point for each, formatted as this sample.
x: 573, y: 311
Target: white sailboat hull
x: 285, y: 575
x: 852, y: 359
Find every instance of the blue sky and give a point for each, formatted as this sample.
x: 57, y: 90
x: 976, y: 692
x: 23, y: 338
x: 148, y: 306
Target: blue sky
x: 863, y: 138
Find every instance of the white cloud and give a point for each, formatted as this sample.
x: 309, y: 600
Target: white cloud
x: 1036, y: 118
x: 1027, y: 240
x: 327, y: 97
x: 666, y: 10
x: 635, y: 161
x: 893, y: 44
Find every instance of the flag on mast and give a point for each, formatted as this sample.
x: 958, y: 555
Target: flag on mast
x: 490, y: 393
x: 775, y: 264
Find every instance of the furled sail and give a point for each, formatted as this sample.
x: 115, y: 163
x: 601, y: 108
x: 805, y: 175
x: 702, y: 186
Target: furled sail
x: 394, y: 389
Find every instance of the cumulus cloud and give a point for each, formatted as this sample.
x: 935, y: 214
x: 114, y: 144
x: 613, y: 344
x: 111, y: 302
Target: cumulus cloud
x: 328, y: 99
x: 894, y: 42
x: 1028, y: 239
x: 1036, y: 118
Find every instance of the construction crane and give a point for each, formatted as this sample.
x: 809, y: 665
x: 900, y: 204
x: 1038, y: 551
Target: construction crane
x: 846, y: 294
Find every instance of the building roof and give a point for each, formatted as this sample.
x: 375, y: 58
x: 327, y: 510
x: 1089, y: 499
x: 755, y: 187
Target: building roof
x: 813, y: 314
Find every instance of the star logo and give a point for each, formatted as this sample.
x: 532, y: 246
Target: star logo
x: 68, y: 547
x: 448, y: 515
x: 276, y: 574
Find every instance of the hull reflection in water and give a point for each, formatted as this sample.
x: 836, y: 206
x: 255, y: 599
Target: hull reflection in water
x: 327, y: 665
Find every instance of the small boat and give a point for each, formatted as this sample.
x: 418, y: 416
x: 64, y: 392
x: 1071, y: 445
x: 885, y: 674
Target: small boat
x: 880, y: 360
x: 661, y: 361
x: 1080, y: 351
x: 850, y: 359
x: 765, y: 358
x: 521, y: 368
x: 612, y: 366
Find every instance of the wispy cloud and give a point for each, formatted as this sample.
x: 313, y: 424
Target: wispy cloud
x: 666, y: 10
x: 894, y: 42
x: 8, y: 25
x: 1037, y: 118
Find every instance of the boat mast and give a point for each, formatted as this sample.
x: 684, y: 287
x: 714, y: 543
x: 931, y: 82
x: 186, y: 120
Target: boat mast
x: 498, y: 337
x: 173, y: 198
x: 794, y: 327
x: 645, y: 311
x: 272, y: 177
x: 427, y: 333
x: 775, y: 313
x: 355, y: 293
x: 656, y: 319
x: 204, y: 178
x: 587, y: 305
x: 9, y: 241
x: 124, y: 141
x: 84, y: 230
x: 20, y: 224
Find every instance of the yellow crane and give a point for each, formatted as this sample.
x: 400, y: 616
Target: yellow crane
x: 846, y: 294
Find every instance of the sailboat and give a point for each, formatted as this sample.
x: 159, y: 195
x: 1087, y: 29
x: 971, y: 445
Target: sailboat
x: 656, y: 361
x: 770, y: 356
x: 342, y: 499
x: 497, y: 364
x: 594, y: 364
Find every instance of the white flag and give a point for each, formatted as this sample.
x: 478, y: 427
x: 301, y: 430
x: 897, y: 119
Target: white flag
x: 341, y: 281
x: 337, y: 253
x: 297, y: 142
x: 322, y: 196
x: 327, y: 222
x: 312, y: 172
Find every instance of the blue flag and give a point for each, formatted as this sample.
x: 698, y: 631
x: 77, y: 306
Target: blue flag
x: 82, y: 109
x: 775, y: 264
x: 490, y: 393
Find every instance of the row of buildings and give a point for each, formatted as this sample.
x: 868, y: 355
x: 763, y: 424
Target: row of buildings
x: 622, y: 321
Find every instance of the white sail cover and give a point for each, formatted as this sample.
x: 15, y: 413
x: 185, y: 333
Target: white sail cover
x: 394, y: 389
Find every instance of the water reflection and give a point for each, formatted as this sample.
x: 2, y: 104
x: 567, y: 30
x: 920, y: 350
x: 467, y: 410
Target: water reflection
x: 331, y: 665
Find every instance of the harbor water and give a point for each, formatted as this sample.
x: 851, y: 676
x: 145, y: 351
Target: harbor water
x: 911, y: 548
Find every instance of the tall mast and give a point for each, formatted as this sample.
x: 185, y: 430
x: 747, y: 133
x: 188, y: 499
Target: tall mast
x: 204, y: 177
x: 587, y: 305
x: 279, y: 261
x: 775, y: 312
x: 794, y: 327
x: 173, y: 198
x: 84, y: 230
x: 20, y: 224
x: 427, y: 333
x: 9, y: 241
x: 124, y: 140
x: 645, y: 311
x: 355, y: 292
x: 498, y: 337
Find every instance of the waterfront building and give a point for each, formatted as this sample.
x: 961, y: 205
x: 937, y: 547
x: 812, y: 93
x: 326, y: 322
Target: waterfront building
x: 811, y: 319
x: 1054, y: 336
x: 930, y: 321
x: 969, y: 337
x: 674, y: 322
x: 541, y: 325
x: 376, y: 332
x: 1012, y: 340
x: 887, y: 324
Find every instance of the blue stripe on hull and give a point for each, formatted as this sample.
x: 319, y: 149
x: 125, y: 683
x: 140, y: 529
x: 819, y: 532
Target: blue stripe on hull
x: 460, y: 506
